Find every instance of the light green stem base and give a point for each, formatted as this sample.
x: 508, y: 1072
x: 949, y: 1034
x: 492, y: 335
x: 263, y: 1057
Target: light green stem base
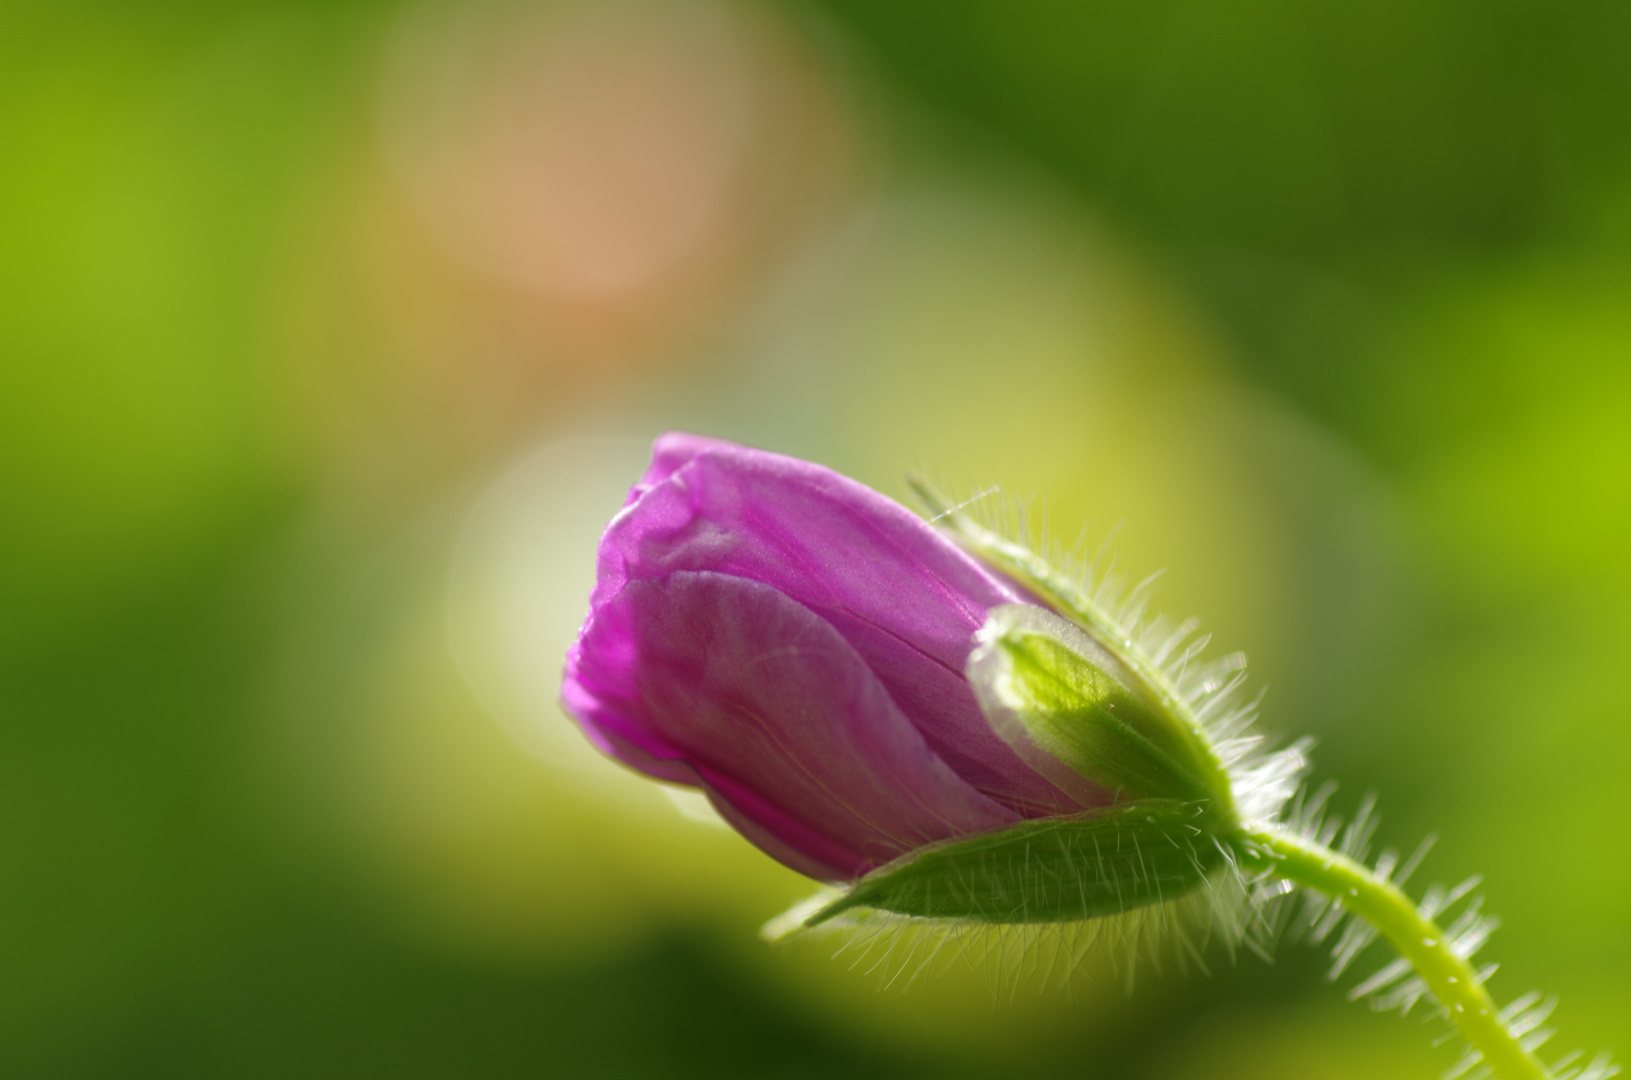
x: 1419, y: 940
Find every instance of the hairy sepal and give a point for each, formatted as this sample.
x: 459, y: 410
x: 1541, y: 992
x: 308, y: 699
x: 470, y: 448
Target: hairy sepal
x: 1158, y: 670
x: 1104, y: 862
x: 1062, y: 700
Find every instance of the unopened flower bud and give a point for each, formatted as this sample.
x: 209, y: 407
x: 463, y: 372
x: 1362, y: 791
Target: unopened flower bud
x: 874, y: 706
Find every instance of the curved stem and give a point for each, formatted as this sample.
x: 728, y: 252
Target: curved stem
x: 1419, y: 940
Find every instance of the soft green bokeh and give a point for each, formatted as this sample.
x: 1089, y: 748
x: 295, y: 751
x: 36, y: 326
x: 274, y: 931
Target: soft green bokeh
x: 1326, y: 309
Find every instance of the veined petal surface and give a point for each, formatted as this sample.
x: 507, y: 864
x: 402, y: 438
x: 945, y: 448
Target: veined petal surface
x: 729, y: 684
x: 903, y: 596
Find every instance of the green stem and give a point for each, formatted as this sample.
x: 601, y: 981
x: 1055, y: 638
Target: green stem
x: 1418, y: 939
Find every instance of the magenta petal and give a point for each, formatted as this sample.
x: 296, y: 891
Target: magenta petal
x: 726, y: 682
x: 670, y: 453
x: 907, y: 599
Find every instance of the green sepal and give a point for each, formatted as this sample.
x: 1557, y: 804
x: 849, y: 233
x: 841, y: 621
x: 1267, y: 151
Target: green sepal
x: 1060, y: 699
x: 1103, y: 862
x: 1065, y: 594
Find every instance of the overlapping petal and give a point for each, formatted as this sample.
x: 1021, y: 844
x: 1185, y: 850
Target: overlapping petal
x: 729, y: 684
x: 904, y: 598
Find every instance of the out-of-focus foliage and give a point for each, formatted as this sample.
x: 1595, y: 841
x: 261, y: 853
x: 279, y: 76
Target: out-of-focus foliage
x: 329, y: 332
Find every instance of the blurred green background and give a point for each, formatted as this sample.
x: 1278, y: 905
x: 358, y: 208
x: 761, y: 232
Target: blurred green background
x: 330, y: 333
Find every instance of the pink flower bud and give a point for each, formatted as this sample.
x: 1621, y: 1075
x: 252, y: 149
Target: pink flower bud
x: 794, y: 644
